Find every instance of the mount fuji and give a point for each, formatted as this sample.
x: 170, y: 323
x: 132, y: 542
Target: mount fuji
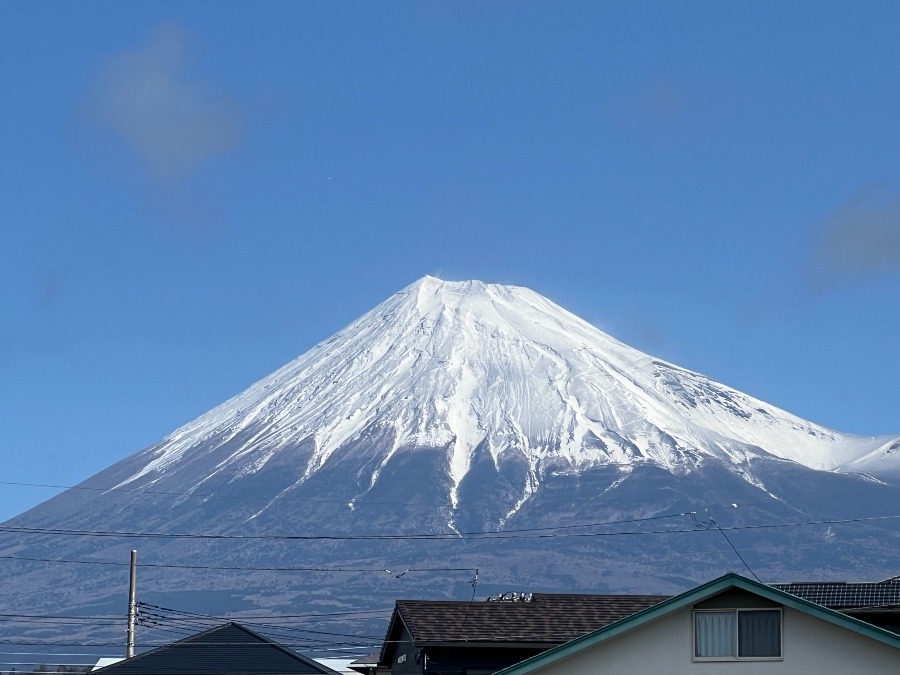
x: 514, y: 437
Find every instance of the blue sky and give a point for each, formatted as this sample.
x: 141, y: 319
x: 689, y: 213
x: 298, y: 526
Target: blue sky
x: 192, y: 194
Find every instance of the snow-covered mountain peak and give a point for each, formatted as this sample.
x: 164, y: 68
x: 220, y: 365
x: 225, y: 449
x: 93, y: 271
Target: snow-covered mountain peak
x: 483, y: 370
x: 433, y: 298
x: 512, y: 312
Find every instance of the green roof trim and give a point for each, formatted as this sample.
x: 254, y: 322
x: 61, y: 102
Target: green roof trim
x: 691, y: 597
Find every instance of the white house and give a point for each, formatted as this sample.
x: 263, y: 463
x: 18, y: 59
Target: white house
x: 729, y: 625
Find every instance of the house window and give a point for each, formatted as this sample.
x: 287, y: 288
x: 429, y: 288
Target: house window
x: 724, y: 635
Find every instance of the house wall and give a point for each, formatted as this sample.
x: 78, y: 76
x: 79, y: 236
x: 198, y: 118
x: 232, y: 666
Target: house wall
x: 468, y: 660
x: 458, y: 659
x: 664, y: 647
x: 404, y: 661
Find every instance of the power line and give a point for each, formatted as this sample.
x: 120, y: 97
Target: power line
x: 474, y: 584
x: 194, y: 622
x: 241, y: 568
x: 291, y: 633
x: 52, y: 662
x: 712, y: 522
x: 111, y: 621
x: 5, y: 616
x: 424, y: 536
x: 10, y: 616
x: 191, y: 494
x: 258, y: 498
x: 275, y: 616
x: 536, y: 533
x: 88, y: 625
x: 44, y: 654
x: 196, y: 618
x: 117, y: 643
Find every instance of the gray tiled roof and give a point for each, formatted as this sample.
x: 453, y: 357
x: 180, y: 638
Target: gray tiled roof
x: 846, y: 596
x: 548, y: 619
x: 229, y: 648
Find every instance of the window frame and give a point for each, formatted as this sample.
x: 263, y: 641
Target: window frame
x: 737, y: 634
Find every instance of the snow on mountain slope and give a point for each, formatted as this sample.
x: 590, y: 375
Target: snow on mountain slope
x: 883, y: 461
x: 463, y: 365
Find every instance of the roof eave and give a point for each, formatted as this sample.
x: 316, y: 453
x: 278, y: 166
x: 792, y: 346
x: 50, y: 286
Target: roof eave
x: 491, y: 643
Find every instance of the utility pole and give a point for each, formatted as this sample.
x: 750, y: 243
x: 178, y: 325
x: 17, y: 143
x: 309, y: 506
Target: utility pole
x: 132, y: 606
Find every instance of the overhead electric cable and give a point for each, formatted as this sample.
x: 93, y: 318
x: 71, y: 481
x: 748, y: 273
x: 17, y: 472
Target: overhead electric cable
x: 712, y: 522
x: 198, y: 495
x: 115, y: 643
x: 259, y: 498
x: 275, y: 616
x: 7, y: 616
x: 522, y: 534
x: 197, y: 618
x: 240, y: 568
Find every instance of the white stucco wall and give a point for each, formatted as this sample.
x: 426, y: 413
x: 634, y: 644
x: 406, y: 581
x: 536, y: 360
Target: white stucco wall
x: 663, y: 647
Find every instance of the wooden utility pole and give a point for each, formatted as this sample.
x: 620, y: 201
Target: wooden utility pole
x: 132, y: 606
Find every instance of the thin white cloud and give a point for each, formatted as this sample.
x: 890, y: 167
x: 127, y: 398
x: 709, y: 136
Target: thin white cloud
x: 858, y: 240
x: 173, y: 123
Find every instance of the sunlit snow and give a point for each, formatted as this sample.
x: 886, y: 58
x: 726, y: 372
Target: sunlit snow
x: 455, y: 365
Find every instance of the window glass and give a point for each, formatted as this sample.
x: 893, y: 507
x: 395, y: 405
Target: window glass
x: 759, y: 633
x: 714, y: 634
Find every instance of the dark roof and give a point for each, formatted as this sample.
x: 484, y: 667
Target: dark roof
x: 847, y: 596
x: 229, y: 649
x: 549, y: 618
x: 365, y: 663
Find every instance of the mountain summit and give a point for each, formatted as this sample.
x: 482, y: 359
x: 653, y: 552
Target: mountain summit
x: 488, y: 372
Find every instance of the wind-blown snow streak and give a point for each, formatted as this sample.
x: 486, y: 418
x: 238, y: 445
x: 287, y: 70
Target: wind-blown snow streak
x: 456, y: 365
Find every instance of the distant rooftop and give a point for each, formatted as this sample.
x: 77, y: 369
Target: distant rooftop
x: 847, y: 595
